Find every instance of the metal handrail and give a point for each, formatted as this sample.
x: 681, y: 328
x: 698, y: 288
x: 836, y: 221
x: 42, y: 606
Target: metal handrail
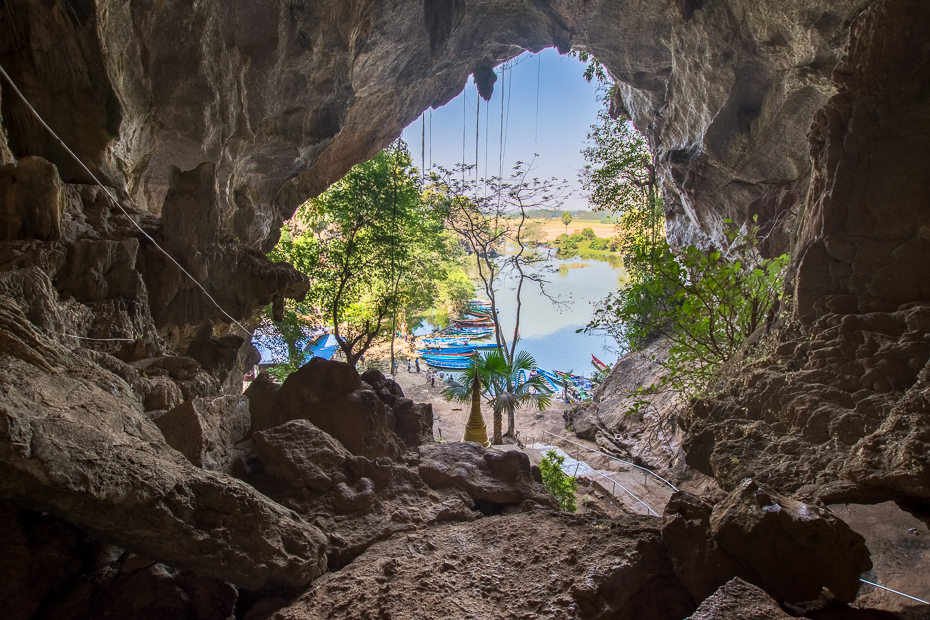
x: 614, y: 458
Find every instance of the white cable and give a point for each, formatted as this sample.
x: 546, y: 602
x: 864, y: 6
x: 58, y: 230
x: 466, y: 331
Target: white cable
x: 116, y: 202
x: 100, y: 339
x: 614, y: 458
x: 920, y: 600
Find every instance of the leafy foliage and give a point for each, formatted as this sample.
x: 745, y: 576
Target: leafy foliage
x: 560, y: 484
x: 373, y: 249
x: 506, y: 386
x: 703, y: 303
x: 620, y: 177
x: 489, y: 214
x: 566, y: 219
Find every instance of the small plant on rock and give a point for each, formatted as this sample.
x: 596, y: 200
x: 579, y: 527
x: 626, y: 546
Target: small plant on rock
x: 560, y: 484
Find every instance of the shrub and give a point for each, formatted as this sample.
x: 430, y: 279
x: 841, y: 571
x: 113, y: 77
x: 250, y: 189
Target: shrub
x: 706, y: 306
x: 576, y: 237
x: 588, y: 233
x: 598, y: 244
x: 560, y: 484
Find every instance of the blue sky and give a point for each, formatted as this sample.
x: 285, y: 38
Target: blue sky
x: 567, y: 106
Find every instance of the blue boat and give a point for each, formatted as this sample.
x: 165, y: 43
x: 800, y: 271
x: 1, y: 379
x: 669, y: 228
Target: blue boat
x: 448, y: 363
x: 445, y: 341
x: 446, y: 350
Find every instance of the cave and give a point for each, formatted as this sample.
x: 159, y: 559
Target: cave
x: 133, y: 246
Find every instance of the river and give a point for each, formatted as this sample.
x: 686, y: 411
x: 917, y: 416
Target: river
x: 548, y: 330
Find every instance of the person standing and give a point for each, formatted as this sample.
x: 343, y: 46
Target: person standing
x: 417, y: 363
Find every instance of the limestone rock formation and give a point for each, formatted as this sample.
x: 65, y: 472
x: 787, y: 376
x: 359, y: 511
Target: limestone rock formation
x: 213, y: 121
x: 738, y: 600
x: 728, y: 142
x: 358, y: 501
x: 490, y: 477
x: 835, y: 412
x: 796, y: 548
x: 89, y: 456
x: 788, y: 548
x: 203, y: 430
x: 329, y: 394
x: 537, y: 564
x: 649, y: 433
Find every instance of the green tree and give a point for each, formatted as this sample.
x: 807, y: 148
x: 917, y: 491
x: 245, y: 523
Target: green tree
x: 566, y: 219
x: 372, y: 250
x: 505, y: 386
x: 588, y: 233
x: 489, y: 213
x: 560, y: 484
x: 703, y: 303
x: 620, y: 178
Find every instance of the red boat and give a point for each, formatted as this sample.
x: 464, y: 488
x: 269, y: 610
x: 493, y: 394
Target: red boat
x: 599, y: 363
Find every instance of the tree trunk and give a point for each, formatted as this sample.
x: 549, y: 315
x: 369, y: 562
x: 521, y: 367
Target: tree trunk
x: 475, y: 428
x: 510, y: 424
x: 498, y: 423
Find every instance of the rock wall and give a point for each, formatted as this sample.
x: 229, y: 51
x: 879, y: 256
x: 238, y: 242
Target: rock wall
x: 834, y: 406
x: 213, y: 120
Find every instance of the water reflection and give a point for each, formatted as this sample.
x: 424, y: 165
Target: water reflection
x: 550, y: 316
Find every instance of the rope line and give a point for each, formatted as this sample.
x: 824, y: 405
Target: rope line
x: 115, y: 201
x: 477, y: 126
x: 101, y: 339
x: 919, y: 600
x: 614, y: 458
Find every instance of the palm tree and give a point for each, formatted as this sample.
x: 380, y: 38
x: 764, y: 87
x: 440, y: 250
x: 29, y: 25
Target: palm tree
x: 505, y: 387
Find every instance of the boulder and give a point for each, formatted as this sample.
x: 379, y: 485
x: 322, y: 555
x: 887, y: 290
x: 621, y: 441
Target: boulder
x: 697, y: 558
x: 796, y: 548
x: 301, y: 454
x: 489, y: 477
x: 357, y: 501
x: 89, y: 456
x: 204, y: 429
x: 329, y: 394
x: 738, y: 600
x: 414, y: 422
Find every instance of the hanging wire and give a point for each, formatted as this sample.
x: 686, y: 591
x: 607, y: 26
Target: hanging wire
x: 538, y: 72
x: 431, y: 138
x: 115, y: 201
x: 423, y: 146
x: 477, y: 140
x: 464, y: 123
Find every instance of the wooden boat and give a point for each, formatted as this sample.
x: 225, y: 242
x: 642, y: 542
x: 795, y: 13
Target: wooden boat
x: 442, y: 353
x: 445, y: 341
x: 599, y: 363
x: 448, y: 363
x: 473, y: 323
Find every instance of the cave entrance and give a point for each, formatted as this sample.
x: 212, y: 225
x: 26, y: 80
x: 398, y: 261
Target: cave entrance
x: 540, y: 110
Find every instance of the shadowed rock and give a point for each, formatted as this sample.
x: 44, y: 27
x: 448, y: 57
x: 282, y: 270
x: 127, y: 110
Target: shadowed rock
x: 329, y: 394
x: 88, y: 456
x: 738, y: 600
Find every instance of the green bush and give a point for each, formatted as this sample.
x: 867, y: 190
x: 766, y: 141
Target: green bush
x: 561, y: 239
x: 560, y: 484
x: 704, y: 304
x: 598, y: 244
x: 588, y: 233
x: 576, y: 237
